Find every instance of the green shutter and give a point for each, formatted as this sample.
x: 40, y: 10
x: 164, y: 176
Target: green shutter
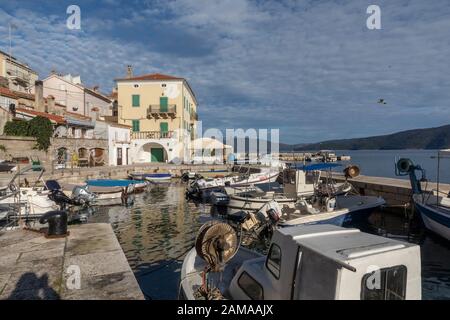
x: 164, y: 126
x: 163, y: 104
x: 136, y: 125
x: 136, y: 100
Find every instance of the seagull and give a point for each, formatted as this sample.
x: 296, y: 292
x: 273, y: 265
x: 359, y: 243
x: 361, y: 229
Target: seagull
x: 381, y: 101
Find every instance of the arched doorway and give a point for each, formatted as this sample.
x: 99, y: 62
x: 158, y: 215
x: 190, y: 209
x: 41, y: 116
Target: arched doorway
x: 153, y: 152
x: 97, y: 157
x: 62, y: 157
x: 83, y: 157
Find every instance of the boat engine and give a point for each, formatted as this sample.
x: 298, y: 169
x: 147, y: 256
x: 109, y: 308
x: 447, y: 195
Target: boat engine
x: 83, y: 195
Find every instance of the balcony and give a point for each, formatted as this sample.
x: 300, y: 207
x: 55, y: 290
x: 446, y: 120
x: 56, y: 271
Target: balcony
x: 152, y: 135
x: 194, y: 116
x: 158, y: 111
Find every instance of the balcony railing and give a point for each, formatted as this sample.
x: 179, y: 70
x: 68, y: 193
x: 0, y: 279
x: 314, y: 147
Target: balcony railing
x: 157, y: 111
x: 152, y: 135
x: 194, y: 116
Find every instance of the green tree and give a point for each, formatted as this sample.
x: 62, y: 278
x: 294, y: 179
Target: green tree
x: 39, y: 127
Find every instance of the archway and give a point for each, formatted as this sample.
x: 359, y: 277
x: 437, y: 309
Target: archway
x: 97, y: 157
x: 153, y: 152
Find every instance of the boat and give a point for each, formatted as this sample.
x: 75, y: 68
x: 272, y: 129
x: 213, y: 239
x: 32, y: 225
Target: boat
x: 30, y: 201
x: 319, y: 262
x: 130, y: 186
x: 7, y: 166
x: 243, y: 176
x: 433, y: 205
x: 309, y: 197
x: 153, y: 177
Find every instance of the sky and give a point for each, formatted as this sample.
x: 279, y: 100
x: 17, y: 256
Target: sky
x: 311, y: 69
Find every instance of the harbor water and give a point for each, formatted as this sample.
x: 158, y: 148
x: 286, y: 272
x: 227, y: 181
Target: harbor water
x: 380, y: 163
x: 161, y: 226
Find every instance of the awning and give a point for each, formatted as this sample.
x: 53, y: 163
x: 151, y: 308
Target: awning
x: 80, y: 123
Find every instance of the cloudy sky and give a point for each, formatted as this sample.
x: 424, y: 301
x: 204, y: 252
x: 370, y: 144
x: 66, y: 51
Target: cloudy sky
x: 310, y: 68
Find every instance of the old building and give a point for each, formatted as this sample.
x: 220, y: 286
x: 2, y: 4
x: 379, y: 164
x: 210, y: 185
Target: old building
x: 18, y: 75
x: 72, y: 93
x: 119, y: 141
x: 162, y: 111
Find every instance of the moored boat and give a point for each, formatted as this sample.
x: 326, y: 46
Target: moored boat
x: 433, y: 205
x: 321, y: 262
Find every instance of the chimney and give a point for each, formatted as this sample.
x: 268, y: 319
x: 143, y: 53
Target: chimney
x: 51, y: 104
x: 39, y: 96
x: 95, y: 89
x: 129, y: 71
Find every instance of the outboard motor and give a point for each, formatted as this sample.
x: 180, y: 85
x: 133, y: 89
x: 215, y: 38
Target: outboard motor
x: 83, y: 195
x: 57, y: 223
x: 58, y: 196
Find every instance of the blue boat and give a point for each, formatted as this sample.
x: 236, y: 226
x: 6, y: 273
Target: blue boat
x: 434, y: 206
x: 135, y: 185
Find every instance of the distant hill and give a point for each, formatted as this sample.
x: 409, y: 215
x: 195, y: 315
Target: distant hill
x: 431, y: 138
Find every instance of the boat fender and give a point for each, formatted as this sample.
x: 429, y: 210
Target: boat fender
x: 57, y: 223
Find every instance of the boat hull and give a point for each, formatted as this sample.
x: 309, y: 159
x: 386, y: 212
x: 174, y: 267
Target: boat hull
x: 433, y: 219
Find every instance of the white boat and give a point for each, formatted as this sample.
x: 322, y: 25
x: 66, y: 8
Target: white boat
x: 243, y: 176
x: 33, y: 202
x: 306, y: 199
x: 433, y: 206
x: 320, y: 262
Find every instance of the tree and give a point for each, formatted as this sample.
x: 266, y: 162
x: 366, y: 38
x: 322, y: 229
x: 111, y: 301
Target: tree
x: 39, y: 127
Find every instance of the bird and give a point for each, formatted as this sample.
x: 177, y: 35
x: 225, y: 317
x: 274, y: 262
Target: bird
x: 381, y: 101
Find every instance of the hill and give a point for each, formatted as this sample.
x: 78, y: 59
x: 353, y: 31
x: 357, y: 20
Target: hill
x: 431, y: 138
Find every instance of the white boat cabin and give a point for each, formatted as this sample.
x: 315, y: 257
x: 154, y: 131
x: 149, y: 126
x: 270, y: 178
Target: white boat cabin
x: 323, y: 262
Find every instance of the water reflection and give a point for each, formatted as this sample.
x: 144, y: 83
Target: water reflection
x: 161, y: 226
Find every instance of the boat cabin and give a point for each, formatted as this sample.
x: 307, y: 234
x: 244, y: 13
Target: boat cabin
x: 325, y: 262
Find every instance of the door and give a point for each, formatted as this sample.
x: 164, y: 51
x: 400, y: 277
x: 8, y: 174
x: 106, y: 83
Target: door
x: 163, y: 104
x: 119, y: 156
x: 136, y: 125
x: 164, y: 129
x: 157, y: 155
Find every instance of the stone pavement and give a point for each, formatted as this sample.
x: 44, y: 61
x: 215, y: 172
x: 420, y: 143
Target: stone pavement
x: 34, y: 267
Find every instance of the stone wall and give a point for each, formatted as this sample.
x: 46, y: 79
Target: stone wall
x: 24, y: 147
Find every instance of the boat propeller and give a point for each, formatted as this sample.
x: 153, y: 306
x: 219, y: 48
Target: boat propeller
x: 216, y: 243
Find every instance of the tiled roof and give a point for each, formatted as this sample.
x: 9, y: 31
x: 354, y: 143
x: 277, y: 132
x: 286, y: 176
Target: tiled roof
x: 7, y: 93
x: 153, y: 76
x: 52, y: 117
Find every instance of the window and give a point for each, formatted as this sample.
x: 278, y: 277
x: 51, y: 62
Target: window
x: 251, y: 288
x: 273, y: 262
x: 384, y: 284
x: 136, y: 100
x: 136, y: 125
x: 136, y: 86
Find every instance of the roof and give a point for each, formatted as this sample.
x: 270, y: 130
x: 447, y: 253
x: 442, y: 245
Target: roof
x: 51, y: 117
x: 209, y: 143
x: 7, y: 93
x: 152, y: 76
x: 340, y: 244
x: 24, y: 95
x: 97, y: 94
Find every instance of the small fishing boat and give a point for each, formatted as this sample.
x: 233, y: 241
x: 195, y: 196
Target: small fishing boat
x: 243, y: 176
x: 30, y: 201
x: 320, y: 262
x: 131, y: 186
x: 433, y: 205
x: 152, y: 177
x: 7, y: 166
